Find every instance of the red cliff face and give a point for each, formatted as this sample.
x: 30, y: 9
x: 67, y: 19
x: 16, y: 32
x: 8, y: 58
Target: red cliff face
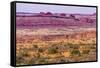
x: 49, y: 19
x: 87, y: 20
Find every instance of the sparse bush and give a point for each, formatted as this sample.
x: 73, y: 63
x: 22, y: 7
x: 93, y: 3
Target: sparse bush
x: 85, y: 51
x: 75, y: 52
x: 24, y: 53
x: 32, y: 61
x: 35, y: 46
x: 75, y: 46
x: 93, y: 47
x: 38, y: 55
x: 69, y: 43
x: 19, y: 60
x: 57, y: 48
x: 40, y: 50
x: 71, y: 46
x: 42, y: 61
x: 62, y: 61
x: 52, y: 51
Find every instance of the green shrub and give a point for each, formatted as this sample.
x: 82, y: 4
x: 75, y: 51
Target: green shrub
x: 75, y: 52
x: 52, y: 51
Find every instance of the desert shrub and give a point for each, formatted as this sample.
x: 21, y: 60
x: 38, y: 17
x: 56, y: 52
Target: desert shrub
x: 66, y: 46
x: 40, y: 50
x: 93, y: 41
x: 75, y: 52
x: 85, y: 51
x: 35, y: 46
x: 32, y: 61
x: 52, y: 51
x: 56, y: 47
x: 75, y: 46
x: 71, y: 46
x: 37, y: 55
x: 93, y: 47
x: 62, y: 61
x: 19, y: 60
x: 42, y: 61
x: 24, y: 53
x: 69, y: 43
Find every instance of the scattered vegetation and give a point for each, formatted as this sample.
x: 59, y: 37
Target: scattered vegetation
x: 55, y: 51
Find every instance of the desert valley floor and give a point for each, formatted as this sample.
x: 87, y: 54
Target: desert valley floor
x: 46, y: 42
